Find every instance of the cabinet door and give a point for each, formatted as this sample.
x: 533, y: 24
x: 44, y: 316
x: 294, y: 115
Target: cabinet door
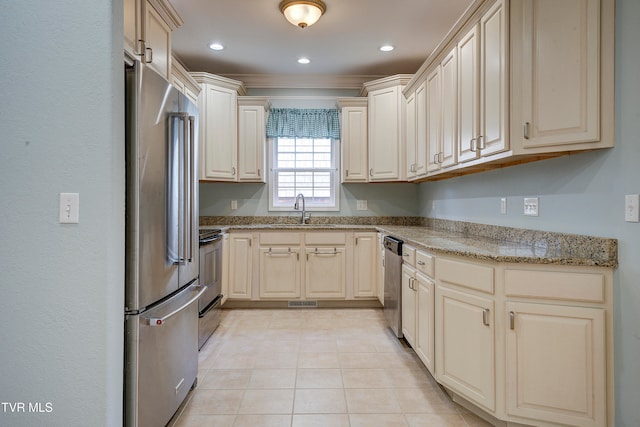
x: 384, y: 134
x: 158, y: 42
x: 449, y: 108
x: 410, y: 136
x: 422, y: 129
x: 365, y: 275
x: 225, y: 268
x: 279, y: 272
x: 325, y: 273
x: 556, y: 364
x: 409, y: 295
x: 493, y: 81
x: 434, y: 118
x: 556, y: 48
x: 468, y: 95
x: 354, y: 144
x: 380, y: 261
x: 240, y: 266
x: 465, y: 342
x: 133, y: 26
x: 425, y: 316
x: 218, y: 142
x: 251, y: 143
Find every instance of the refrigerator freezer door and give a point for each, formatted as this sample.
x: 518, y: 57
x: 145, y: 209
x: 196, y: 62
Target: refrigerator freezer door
x: 154, y: 189
x: 161, y: 360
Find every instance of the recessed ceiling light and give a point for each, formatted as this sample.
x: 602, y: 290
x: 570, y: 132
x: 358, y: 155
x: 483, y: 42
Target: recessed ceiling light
x: 304, y: 61
x: 216, y: 46
x: 387, y: 48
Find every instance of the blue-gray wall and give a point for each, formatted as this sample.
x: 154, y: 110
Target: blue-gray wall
x: 61, y: 285
x: 387, y: 199
x: 581, y: 194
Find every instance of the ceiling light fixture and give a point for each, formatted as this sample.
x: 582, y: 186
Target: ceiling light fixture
x: 304, y: 61
x: 302, y: 13
x: 386, y: 48
x: 216, y: 46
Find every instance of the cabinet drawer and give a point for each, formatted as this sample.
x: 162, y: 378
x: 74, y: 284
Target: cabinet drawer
x: 280, y: 238
x: 325, y: 238
x: 560, y: 285
x: 425, y: 263
x: 466, y: 274
x: 409, y: 255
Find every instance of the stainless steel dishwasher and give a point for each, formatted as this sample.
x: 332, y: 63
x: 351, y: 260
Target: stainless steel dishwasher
x: 393, y: 283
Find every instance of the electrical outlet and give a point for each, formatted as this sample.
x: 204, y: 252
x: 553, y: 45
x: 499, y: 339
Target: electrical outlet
x: 503, y: 205
x: 361, y: 205
x: 531, y: 206
x: 234, y: 205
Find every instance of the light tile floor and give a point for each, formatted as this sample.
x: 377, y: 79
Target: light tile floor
x: 314, y: 367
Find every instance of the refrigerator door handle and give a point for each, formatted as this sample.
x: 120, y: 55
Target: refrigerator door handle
x: 192, y: 177
x: 175, y: 242
x: 159, y: 321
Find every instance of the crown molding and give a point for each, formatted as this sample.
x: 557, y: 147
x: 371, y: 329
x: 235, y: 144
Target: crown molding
x: 302, y: 81
x: 168, y: 13
x: 207, y: 78
x: 386, y: 82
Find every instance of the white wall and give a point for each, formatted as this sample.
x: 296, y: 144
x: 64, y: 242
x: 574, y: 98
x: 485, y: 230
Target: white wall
x: 581, y: 194
x: 61, y: 292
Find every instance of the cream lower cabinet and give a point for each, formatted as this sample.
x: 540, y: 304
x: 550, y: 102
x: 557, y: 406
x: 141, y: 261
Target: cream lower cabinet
x: 425, y: 316
x: 556, y: 368
x: 325, y: 273
x: 409, y: 296
x: 240, y: 265
x: 365, y: 265
x: 280, y: 272
x: 465, y: 345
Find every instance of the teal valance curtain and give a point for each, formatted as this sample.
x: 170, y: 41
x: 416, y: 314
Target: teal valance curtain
x: 303, y: 123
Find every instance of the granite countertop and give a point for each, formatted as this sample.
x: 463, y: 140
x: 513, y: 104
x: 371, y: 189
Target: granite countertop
x: 476, y: 241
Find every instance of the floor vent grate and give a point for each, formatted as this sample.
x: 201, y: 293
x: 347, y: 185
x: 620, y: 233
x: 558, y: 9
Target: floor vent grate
x: 302, y: 304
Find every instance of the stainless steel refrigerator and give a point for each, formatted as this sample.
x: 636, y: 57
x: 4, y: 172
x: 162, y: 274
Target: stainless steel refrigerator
x: 162, y: 266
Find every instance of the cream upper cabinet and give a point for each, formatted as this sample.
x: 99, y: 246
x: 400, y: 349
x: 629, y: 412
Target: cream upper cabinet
x: 354, y: 139
x: 365, y: 266
x: 562, y: 61
x: 147, y: 32
x: 448, y: 155
x: 252, y: 119
x: 482, y: 86
x: 416, y: 133
x: 240, y: 264
x: 386, y: 122
x: 182, y: 80
x: 434, y: 117
x: 218, y: 109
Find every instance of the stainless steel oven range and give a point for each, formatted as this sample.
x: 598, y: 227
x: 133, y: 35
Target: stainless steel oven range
x: 210, y: 275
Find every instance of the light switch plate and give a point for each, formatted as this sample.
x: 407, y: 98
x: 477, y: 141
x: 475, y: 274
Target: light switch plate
x: 531, y: 206
x: 632, y: 208
x: 69, y: 208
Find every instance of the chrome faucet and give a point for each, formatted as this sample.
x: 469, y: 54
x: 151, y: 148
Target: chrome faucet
x: 296, y: 206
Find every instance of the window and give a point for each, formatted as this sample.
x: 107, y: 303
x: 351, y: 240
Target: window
x: 307, y: 166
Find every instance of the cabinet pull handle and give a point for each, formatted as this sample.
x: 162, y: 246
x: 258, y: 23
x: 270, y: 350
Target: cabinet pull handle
x: 371, y: 172
x: 472, y: 143
x: 512, y: 320
x: 421, y: 263
x: 436, y: 157
x: 347, y: 172
x: 481, y: 142
x: 317, y: 252
x: 441, y: 157
x: 140, y: 48
x: 148, y: 59
x: 258, y: 172
x: 526, y: 130
x: 485, y: 317
x: 233, y: 170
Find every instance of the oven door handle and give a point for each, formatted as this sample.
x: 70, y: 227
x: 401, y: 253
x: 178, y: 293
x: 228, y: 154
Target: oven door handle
x: 208, y: 240
x: 216, y: 301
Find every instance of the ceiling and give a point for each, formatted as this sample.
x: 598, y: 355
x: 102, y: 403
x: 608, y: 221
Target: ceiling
x: 344, y: 42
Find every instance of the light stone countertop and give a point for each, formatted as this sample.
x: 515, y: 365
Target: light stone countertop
x: 476, y: 241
